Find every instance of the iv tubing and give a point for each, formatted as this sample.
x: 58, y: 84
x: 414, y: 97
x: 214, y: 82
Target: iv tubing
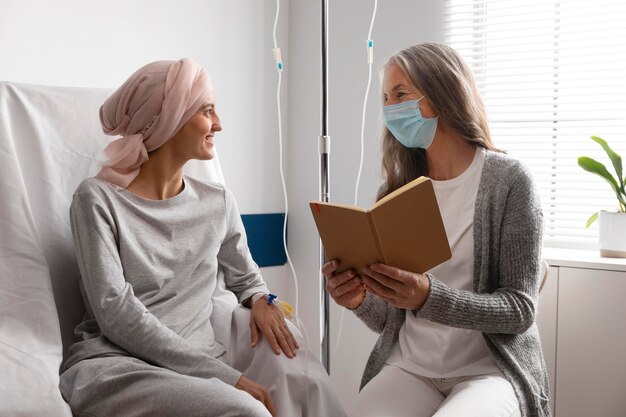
x: 280, y: 67
x: 370, y: 59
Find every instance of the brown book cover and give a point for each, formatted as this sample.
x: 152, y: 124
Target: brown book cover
x: 403, y: 229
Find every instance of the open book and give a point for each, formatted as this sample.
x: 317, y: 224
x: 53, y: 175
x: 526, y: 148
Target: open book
x: 404, y: 229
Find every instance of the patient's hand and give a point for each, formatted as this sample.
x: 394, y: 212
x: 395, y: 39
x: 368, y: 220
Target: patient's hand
x: 271, y: 322
x: 257, y: 391
x: 346, y: 288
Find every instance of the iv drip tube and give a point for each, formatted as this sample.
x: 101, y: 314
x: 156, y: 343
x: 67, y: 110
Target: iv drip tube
x: 279, y: 68
x: 370, y: 61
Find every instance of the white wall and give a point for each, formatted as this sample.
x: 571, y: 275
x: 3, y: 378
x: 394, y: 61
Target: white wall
x: 399, y: 23
x: 99, y: 44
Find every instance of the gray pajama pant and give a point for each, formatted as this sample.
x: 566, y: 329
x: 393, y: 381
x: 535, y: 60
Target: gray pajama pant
x: 130, y: 387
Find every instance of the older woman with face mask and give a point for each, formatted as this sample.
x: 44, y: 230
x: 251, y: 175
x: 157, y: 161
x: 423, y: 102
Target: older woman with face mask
x: 150, y: 242
x: 461, y: 339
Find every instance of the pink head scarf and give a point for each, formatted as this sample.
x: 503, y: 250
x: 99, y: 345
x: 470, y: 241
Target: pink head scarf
x: 147, y: 110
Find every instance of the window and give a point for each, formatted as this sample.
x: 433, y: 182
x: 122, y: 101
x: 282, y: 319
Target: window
x: 551, y: 74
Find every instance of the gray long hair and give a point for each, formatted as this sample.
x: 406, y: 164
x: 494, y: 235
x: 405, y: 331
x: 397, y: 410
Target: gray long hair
x: 441, y: 74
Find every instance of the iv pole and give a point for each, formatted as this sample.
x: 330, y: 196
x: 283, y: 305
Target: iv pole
x: 324, y: 149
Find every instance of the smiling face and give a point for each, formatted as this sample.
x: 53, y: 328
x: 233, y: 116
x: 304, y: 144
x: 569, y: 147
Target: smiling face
x: 397, y: 88
x: 195, y: 139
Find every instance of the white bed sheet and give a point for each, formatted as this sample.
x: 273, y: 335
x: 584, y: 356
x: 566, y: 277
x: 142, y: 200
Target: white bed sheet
x: 50, y: 140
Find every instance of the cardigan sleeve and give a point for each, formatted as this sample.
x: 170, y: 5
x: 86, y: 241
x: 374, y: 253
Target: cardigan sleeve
x: 373, y: 312
x: 517, y: 219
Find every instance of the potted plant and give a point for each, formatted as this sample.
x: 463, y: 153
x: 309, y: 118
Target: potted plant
x: 612, y: 223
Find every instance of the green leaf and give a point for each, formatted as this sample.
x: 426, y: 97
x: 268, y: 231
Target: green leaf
x: 595, y: 167
x: 592, y: 219
x: 615, y: 158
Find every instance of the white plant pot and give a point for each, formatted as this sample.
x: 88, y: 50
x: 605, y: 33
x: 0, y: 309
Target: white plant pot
x: 612, y: 234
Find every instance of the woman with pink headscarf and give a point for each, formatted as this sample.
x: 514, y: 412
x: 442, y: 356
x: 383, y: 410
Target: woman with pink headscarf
x: 150, y: 243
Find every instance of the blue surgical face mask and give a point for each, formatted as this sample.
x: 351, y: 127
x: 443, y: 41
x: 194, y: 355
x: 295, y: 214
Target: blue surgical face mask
x: 404, y: 120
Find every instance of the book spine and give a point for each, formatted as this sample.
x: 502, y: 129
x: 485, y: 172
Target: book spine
x: 374, y: 233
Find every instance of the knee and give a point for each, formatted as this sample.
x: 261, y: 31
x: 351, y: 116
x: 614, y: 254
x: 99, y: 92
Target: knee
x: 306, y: 371
x: 239, y: 403
x: 249, y: 407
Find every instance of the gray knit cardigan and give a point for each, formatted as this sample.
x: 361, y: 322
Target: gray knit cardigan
x: 508, y: 227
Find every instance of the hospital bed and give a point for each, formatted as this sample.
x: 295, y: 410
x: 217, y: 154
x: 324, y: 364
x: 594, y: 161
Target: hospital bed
x: 50, y: 140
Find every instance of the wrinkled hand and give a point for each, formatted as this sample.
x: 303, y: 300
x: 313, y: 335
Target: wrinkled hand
x: 345, y: 288
x: 271, y: 322
x: 402, y: 289
x: 257, y: 391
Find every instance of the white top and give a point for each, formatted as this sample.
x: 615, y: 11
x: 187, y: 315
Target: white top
x: 436, y: 350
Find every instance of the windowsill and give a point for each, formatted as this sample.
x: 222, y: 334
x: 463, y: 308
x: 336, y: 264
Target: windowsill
x: 582, y: 258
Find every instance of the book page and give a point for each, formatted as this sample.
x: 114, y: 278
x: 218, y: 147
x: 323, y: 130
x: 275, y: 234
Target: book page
x: 410, y: 229
x: 346, y: 235
x: 400, y: 190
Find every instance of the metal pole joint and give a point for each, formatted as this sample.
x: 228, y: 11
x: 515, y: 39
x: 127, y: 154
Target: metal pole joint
x: 324, y: 144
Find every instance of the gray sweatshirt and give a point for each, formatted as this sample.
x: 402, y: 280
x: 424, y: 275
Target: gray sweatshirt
x: 508, y: 227
x: 148, y: 271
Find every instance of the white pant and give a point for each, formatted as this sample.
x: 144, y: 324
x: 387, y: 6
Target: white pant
x: 395, y: 392
x: 129, y: 387
x: 299, y: 387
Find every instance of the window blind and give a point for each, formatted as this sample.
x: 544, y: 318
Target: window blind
x: 551, y: 74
